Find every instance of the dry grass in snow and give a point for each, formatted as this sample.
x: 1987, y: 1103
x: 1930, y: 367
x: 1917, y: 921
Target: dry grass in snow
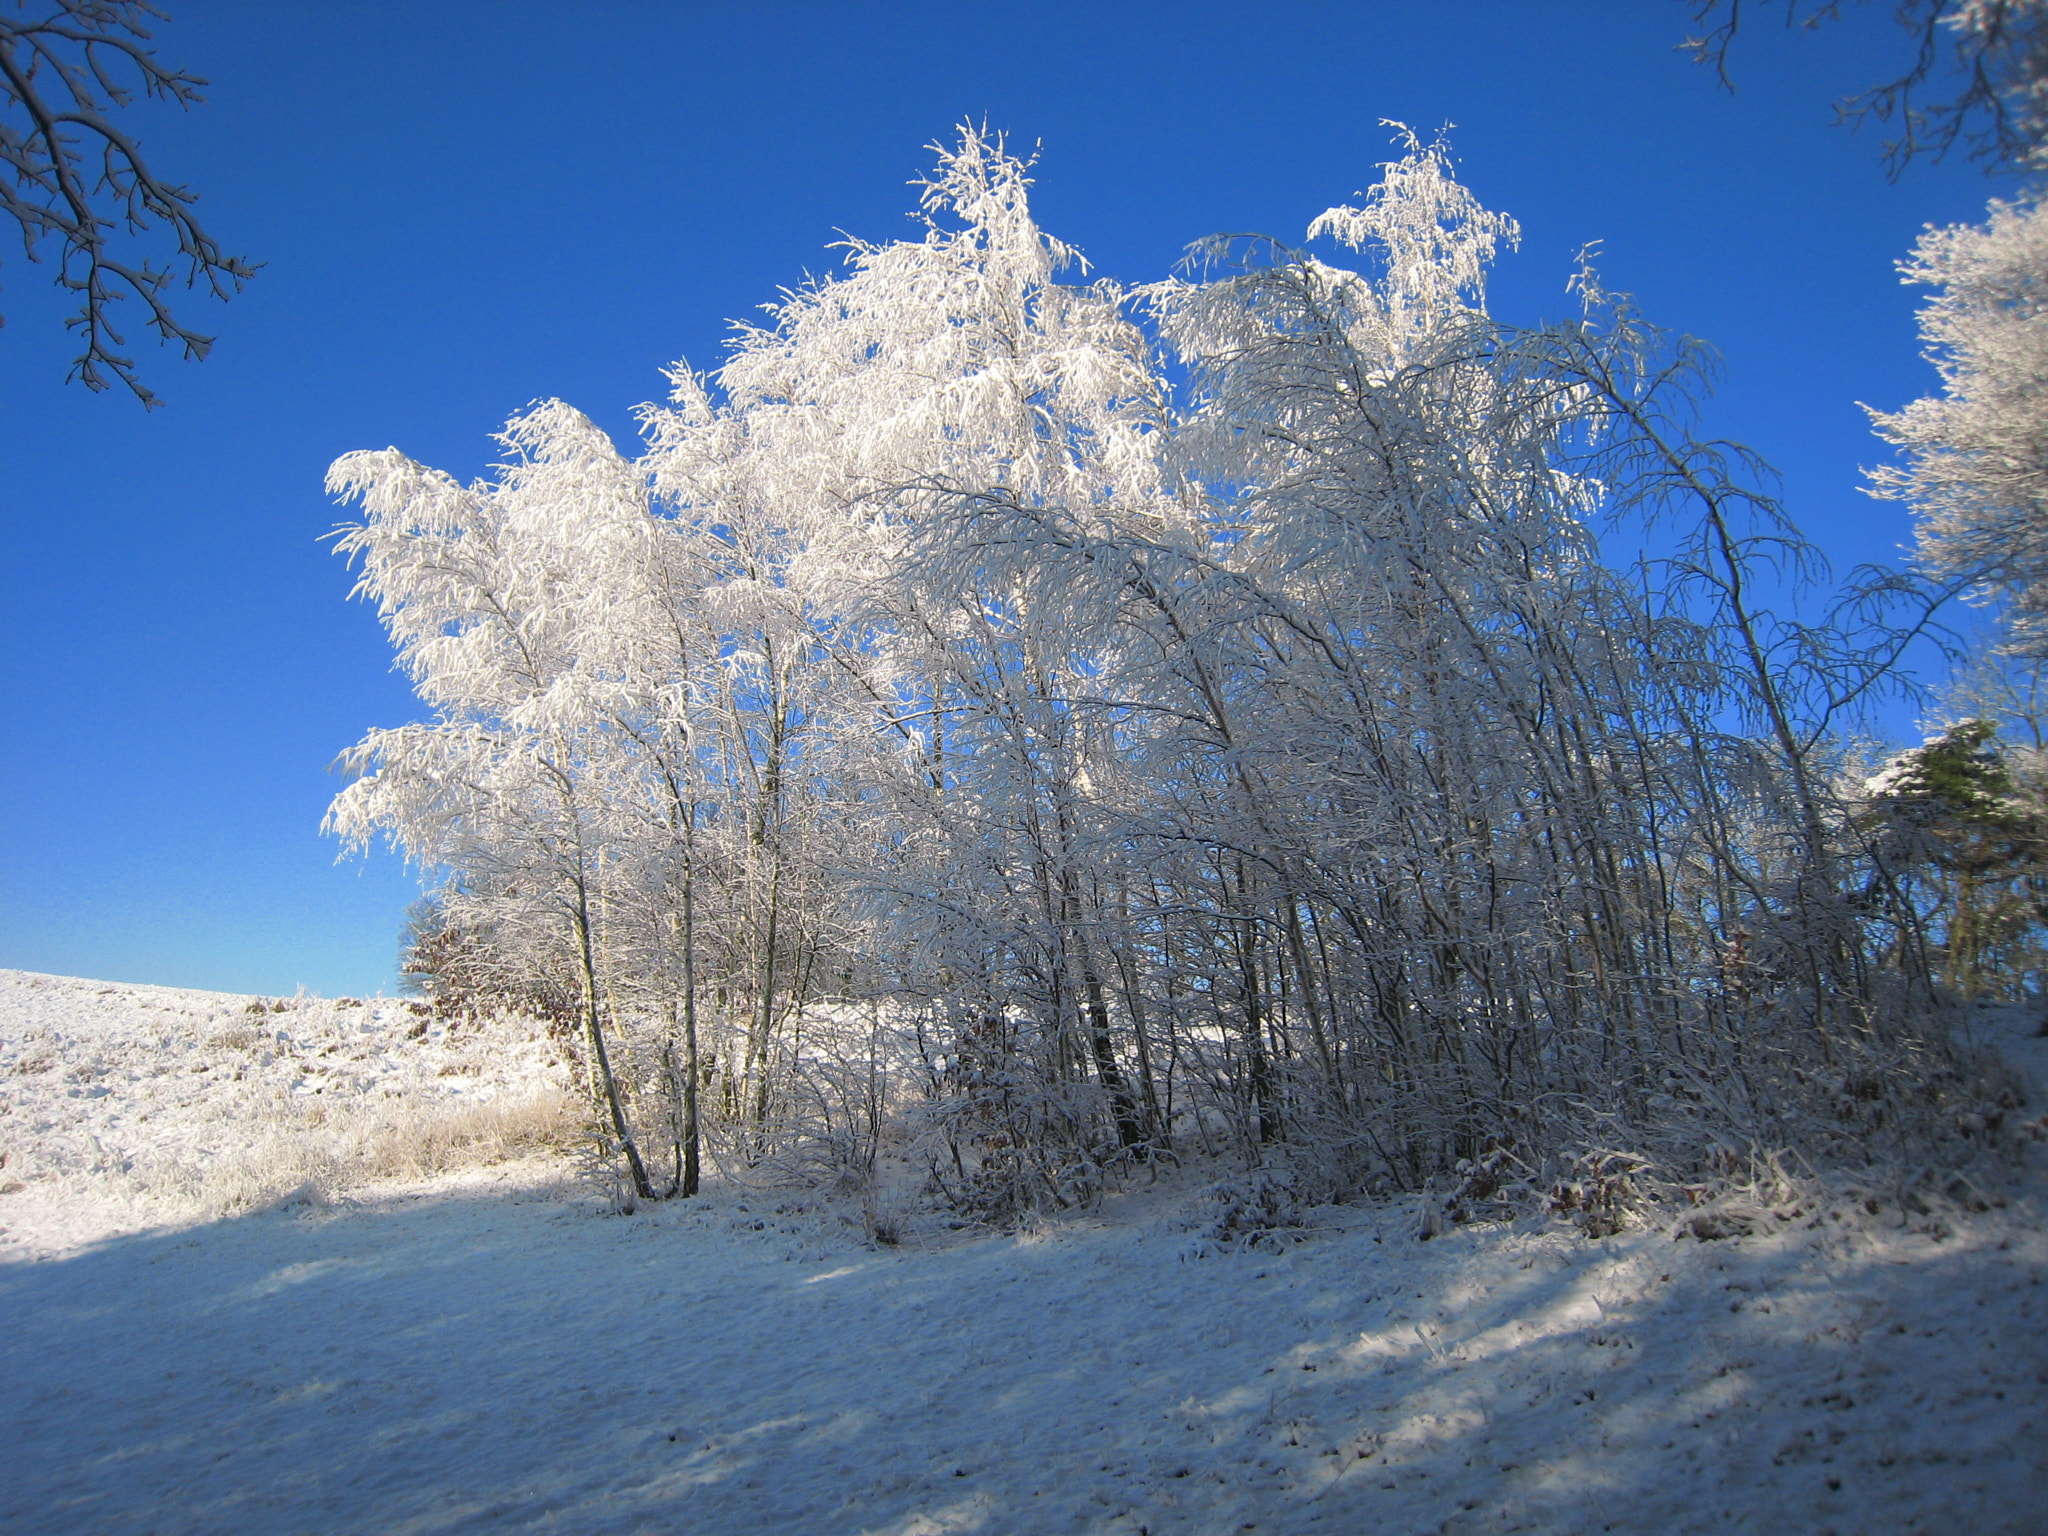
x: 147, y: 1104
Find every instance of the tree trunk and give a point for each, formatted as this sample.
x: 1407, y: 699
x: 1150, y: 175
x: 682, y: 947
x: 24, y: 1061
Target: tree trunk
x: 691, y: 1066
x: 600, y: 1059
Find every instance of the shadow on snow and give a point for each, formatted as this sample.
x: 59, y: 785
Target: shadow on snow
x: 493, y: 1361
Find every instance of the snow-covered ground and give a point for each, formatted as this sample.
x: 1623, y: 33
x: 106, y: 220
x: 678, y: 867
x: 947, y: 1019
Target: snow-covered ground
x: 121, y: 1104
x: 490, y: 1349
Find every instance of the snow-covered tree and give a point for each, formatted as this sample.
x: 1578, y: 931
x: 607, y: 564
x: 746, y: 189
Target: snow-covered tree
x: 1976, y: 470
x: 494, y: 595
x: 1965, y: 836
x: 949, y: 696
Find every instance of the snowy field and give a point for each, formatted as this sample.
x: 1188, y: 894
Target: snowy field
x: 488, y: 1349
x: 119, y: 1104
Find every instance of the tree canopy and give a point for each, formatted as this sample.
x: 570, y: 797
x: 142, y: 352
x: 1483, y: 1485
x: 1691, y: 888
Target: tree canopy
x: 1092, y: 720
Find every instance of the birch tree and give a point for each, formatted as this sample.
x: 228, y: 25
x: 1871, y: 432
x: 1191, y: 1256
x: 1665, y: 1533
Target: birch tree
x: 491, y: 594
x: 1976, y: 455
x: 1271, y: 763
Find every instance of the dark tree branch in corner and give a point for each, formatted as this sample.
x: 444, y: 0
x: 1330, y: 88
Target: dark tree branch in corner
x: 72, y: 175
x: 1993, y: 53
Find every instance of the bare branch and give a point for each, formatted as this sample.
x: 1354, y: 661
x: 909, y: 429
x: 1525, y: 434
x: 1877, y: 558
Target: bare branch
x: 60, y: 75
x: 1986, y: 62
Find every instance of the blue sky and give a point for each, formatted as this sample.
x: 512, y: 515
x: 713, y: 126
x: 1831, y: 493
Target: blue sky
x: 466, y: 207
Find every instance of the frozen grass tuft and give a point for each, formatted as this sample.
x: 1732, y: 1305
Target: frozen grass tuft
x: 284, y: 1156
x: 164, y: 1104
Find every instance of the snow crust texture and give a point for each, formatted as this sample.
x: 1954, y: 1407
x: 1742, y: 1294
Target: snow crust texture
x: 480, y: 1355
x: 489, y: 1349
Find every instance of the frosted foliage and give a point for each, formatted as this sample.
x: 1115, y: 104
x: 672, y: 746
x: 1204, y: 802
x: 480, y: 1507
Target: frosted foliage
x: 952, y: 361
x: 504, y: 601
x: 1433, y: 239
x: 1976, y: 469
x: 1068, y: 723
x: 488, y: 591
x: 2016, y: 72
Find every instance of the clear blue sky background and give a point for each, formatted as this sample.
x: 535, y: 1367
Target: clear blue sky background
x: 466, y: 207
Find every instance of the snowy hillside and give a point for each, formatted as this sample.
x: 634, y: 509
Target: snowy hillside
x: 123, y: 1105
x: 490, y: 1349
